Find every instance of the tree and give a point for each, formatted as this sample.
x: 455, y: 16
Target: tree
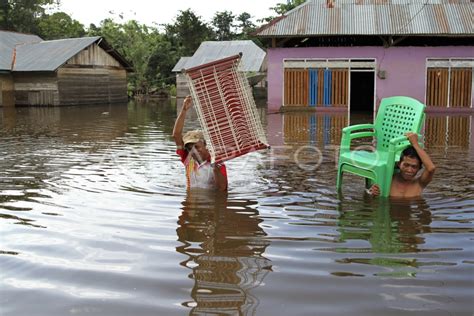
x: 59, y: 25
x: 187, y: 32
x: 22, y: 15
x: 162, y: 61
x: 151, y: 54
x: 282, y: 8
x: 245, y: 25
x: 222, y: 22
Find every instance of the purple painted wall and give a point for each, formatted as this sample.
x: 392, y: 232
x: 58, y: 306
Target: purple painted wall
x: 405, y: 67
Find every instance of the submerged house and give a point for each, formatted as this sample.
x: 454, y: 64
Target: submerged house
x: 346, y: 55
x: 252, y: 61
x: 75, y: 71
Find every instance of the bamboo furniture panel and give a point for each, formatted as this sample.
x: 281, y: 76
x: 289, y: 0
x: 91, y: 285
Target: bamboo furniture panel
x: 226, y: 109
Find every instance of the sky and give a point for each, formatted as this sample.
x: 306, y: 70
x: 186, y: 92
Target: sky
x: 161, y: 12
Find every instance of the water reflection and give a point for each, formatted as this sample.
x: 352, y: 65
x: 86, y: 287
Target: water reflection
x: 390, y: 227
x: 315, y: 128
x: 448, y: 131
x: 223, y: 241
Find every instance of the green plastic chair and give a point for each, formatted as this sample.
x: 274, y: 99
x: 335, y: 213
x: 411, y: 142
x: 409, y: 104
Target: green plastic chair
x: 396, y: 116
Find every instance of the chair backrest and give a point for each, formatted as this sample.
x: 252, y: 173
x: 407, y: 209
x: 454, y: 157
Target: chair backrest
x: 396, y: 116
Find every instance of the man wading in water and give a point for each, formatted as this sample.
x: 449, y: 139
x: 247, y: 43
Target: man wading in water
x: 405, y: 184
x: 192, y: 150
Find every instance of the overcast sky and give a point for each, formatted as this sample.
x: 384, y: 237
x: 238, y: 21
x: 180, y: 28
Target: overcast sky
x: 161, y: 12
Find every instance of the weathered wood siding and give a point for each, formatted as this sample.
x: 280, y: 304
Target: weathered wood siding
x: 6, y: 90
x: 39, y: 89
x: 91, y: 86
x: 182, y: 88
x: 92, y: 77
x: 93, y: 56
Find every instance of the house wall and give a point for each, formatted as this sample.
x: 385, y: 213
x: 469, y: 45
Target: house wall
x: 405, y: 67
x: 92, y: 77
x: 83, y: 86
x: 6, y: 90
x: 93, y: 55
x: 35, y: 88
x: 182, y: 88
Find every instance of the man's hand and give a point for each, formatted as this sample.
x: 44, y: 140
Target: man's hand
x: 374, y: 190
x: 412, y: 138
x: 187, y: 103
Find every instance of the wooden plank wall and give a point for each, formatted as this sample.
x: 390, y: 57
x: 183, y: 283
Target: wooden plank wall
x: 296, y: 84
x: 182, y: 88
x: 296, y: 87
x: 91, y: 86
x: 456, y: 81
x: 320, y: 87
x: 340, y: 87
x: 35, y: 89
x: 92, y: 77
x: 6, y: 90
x: 437, y: 87
x: 94, y: 56
x: 460, y: 87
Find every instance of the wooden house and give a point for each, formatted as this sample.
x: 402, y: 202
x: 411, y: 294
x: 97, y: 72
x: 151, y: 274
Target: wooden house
x: 252, y: 61
x: 75, y: 71
x: 346, y: 55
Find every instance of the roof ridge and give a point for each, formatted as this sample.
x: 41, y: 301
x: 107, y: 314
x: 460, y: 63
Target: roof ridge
x: 72, y: 38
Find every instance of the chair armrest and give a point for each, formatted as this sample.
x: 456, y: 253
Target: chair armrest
x: 350, y: 129
x: 347, y: 135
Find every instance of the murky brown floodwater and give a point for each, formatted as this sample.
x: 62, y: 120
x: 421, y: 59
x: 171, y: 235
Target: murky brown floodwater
x: 95, y: 220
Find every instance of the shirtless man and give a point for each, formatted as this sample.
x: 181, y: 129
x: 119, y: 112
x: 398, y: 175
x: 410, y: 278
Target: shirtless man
x: 405, y: 184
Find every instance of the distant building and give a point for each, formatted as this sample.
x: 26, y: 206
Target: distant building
x: 75, y: 71
x: 252, y: 61
x: 349, y: 54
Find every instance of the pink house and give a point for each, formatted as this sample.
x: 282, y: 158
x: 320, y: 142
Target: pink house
x: 346, y: 55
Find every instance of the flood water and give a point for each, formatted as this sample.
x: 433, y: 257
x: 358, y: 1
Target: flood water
x: 95, y: 220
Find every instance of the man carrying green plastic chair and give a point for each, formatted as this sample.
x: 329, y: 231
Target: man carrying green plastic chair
x: 406, y: 184
x: 398, y: 122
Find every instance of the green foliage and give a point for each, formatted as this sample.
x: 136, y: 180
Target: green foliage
x: 223, y: 24
x: 188, y: 32
x: 245, y: 25
x: 138, y: 43
x: 282, y: 8
x: 22, y: 15
x: 173, y: 90
x: 59, y: 25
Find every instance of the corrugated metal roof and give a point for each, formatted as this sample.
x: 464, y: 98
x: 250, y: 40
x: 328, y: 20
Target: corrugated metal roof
x: 8, y: 40
x: 181, y: 64
x: 374, y: 17
x: 252, y: 55
x: 49, y: 55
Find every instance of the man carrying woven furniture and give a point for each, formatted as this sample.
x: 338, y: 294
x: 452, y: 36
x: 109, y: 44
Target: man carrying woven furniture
x: 406, y: 184
x: 192, y: 150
